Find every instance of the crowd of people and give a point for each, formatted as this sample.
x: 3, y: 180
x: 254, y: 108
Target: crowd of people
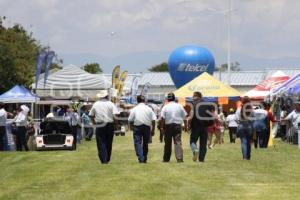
x: 203, y: 120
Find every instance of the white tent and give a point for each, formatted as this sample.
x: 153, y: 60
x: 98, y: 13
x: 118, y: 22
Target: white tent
x: 71, y: 81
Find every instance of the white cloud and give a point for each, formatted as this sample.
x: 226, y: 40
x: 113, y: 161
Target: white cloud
x: 267, y: 29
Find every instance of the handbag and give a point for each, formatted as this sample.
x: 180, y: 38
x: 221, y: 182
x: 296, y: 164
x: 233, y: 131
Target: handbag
x: 30, y: 130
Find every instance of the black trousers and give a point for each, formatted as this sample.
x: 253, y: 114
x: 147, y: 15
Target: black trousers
x: 173, y: 131
x: 74, y: 133
x: 232, y: 134
x: 2, y: 137
x: 21, y: 138
x: 266, y: 138
x: 104, y: 139
x: 199, y: 132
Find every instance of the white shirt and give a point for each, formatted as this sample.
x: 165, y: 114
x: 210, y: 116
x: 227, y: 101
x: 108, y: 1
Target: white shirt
x: 3, y: 117
x: 72, y: 118
x: 21, y: 119
x: 104, y: 111
x: 142, y: 115
x: 232, y: 120
x: 173, y: 113
x: 294, y: 117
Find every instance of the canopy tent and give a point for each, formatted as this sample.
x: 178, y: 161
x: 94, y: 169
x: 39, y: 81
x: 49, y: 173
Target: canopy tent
x: 211, y: 89
x: 18, y: 94
x: 264, y: 88
x: 71, y: 81
x: 290, y: 85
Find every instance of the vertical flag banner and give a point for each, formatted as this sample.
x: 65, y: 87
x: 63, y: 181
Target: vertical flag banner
x: 49, y: 59
x: 122, y: 81
x: 40, y: 60
x: 145, y: 89
x: 134, y: 89
x: 115, y: 76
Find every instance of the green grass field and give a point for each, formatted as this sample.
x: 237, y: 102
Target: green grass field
x: 272, y: 173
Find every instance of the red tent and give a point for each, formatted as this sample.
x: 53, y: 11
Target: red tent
x: 264, y: 88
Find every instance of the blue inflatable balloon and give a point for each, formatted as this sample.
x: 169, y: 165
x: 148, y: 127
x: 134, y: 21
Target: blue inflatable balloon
x: 187, y: 62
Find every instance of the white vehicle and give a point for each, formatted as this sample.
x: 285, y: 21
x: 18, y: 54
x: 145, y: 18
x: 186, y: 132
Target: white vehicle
x: 55, y: 134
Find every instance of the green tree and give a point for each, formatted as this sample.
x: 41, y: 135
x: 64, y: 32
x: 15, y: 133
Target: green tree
x: 163, y: 67
x: 18, y: 56
x: 235, y: 66
x: 93, y: 68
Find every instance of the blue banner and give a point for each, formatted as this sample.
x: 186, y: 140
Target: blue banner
x: 134, y: 89
x: 145, y: 89
x: 40, y: 61
x: 49, y: 59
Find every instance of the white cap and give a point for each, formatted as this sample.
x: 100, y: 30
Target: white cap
x: 24, y: 108
x: 102, y: 94
x: 50, y: 115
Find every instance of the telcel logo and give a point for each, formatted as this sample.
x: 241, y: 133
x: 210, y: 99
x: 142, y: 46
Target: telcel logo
x: 183, y: 67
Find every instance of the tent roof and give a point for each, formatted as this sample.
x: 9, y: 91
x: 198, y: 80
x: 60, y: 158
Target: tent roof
x: 18, y: 94
x: 72, y: 77
x: 208, y: 86
x: 292, y: 82
x: 264, y: 88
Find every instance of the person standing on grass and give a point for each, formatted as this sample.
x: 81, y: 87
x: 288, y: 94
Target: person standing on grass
x: 172, y: 117
x: 73, y: 119
x: 260, y: 127
x: 86, y: 122
x: 269, y: 119
x: 245, y: 128
x: 142, y: 120
x: 201, y: 119
x: 21, y: 122
x: 232, y: 124
x: 3, y: 118
x: 294, y: 118
x: 214, y: 129
x: 103, y: 114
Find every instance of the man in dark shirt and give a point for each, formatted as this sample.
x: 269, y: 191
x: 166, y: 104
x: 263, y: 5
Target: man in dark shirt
x: 202, y: 117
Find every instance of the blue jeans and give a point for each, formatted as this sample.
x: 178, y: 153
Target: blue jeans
x: 245, y: 131
x: 141, y: 136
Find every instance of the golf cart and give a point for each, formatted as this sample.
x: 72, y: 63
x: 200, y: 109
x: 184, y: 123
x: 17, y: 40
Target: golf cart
x: 55, y: 134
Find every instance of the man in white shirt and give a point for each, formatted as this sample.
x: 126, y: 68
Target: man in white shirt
x: 294, y: 118
x: 142, y: 118
x: 72, y: 118
x: 3, y: 117
x: 172, y: 117
x: 21, y: 122
x: 232, y: 124
x: 103, y: 115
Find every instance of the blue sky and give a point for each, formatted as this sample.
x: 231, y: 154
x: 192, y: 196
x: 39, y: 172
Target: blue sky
x: 139, y: 33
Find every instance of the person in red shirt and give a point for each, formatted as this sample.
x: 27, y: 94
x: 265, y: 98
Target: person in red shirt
x: 270, y: 118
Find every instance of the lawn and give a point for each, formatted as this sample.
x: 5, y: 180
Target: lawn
x: 272, y: 173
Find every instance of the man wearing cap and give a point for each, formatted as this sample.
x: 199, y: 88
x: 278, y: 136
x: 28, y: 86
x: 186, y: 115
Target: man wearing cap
x: 3, y: 117
x: 172, y: 117
x: 294, y: 117
x: 143, y: 120
x: 103, y: 116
